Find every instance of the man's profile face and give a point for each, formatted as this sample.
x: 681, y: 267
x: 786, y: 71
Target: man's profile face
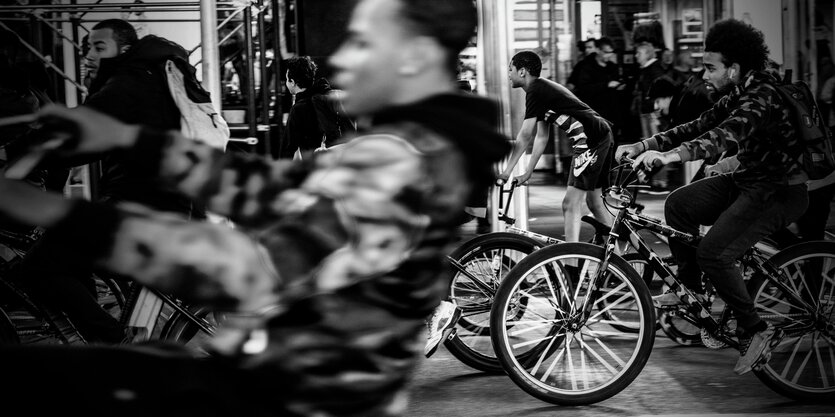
x: 367, y: 66
x: 606, y: 54
x: 102, y: 45
x: 642, y: 56
x: 662, y: 105
x: 716, y: 76
x: 589, y: 48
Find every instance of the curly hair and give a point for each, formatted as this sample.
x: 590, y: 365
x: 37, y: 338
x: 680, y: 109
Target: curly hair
x: 739, y: 43
x: 302, y: 70
x: 528, y: 60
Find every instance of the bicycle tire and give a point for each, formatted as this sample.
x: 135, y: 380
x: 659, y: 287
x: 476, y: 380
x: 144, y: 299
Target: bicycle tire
x: 559, y: 383
x: 489, y: 256
x: 809, y: 340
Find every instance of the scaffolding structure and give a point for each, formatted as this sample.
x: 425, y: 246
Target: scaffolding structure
x: 247, y: 43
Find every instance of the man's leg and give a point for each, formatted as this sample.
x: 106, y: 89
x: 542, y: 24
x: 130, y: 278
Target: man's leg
x: 598, y: 209
x: 758, y: 211
x: 572, y: 208
x: 698, y: 203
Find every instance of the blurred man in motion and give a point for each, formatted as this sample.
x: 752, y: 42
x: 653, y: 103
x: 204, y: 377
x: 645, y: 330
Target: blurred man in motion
x: 329, y: 298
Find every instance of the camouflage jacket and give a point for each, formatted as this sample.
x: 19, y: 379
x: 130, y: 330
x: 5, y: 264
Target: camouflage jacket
x: 338, y: 260
x: 753, y: 117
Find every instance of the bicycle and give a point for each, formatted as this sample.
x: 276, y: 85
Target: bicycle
x: 480, y: 264
x: 26, y: 320
x: 549, y: 331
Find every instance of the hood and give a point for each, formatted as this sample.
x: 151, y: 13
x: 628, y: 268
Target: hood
x: 320, y: 86
x: 468, y: 120
x: 149, y: 52
x: 769, y: 75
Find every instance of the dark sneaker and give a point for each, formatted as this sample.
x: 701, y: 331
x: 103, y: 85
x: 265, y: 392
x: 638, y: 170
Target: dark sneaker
x: 752, y: 348
x: 441, y: 325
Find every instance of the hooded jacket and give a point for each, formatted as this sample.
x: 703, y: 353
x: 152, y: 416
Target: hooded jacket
x: 341, y: 257
x: 132, y: 88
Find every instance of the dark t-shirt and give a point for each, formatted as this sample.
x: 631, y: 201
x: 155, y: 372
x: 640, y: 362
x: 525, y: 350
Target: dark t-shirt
x: 545, y: 95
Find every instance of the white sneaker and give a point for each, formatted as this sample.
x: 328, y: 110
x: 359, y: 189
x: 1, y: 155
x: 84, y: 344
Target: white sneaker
x: 670, y: 299
x: 441, y: 325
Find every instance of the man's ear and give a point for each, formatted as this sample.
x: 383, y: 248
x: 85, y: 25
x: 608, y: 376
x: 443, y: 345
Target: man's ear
x: 124, y: 49
x: 421, y: 52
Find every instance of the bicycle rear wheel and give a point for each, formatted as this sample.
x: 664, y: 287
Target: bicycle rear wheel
x: 481, y: 263
x: 802, y: 365
x: 545, y: 344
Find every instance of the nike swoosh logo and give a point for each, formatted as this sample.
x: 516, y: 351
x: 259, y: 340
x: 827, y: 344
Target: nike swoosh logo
x: 584, y: 160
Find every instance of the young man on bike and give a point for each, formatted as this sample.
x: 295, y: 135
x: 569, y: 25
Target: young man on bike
x: 345, y: 255
x: 764, y: 194
x: 547, y: 102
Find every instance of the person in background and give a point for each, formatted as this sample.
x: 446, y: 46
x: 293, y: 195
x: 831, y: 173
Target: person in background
x: 333, y: 266
x: 586, y: 60
x: 597, y: 84
x: 682, y: 68
x: 305, y: 130
x: 127, y: 82
x: 644, y: 107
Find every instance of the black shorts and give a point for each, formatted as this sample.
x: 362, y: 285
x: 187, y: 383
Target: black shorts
x: 590, y: 169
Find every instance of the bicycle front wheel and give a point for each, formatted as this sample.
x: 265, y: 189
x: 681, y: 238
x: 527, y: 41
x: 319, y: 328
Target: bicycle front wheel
x: 802, y: 365
x: 480, y: 264
x: 549, y: 348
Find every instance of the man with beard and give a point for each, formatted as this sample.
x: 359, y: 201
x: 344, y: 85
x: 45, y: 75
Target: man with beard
x: 335, y: 261
x: 764, y: 194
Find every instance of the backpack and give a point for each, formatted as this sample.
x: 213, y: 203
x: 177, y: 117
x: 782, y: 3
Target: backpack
x: 817, y: 159
x: 333, y: 121
x: 198, y: 118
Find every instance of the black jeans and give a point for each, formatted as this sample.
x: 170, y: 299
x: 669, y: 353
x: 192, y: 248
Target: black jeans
x: 740, y: 215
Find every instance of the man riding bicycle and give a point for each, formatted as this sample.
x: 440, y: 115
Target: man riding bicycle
x: 764, y: 194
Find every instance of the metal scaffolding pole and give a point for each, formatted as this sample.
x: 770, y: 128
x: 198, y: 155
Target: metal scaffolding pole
x: 211, y: 56
x: 265, y: 79
x: 494, y: 42
x: 250, y: 70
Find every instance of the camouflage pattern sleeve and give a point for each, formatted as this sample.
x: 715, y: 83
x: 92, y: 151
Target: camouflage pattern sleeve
x: 734, y: 118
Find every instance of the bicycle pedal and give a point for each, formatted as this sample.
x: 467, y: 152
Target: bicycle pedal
x: 452, y: 334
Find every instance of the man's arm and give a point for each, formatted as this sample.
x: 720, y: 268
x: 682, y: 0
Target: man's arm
x: 523, y: 140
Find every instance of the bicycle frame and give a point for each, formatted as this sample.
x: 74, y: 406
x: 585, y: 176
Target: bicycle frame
x: 632, y: 221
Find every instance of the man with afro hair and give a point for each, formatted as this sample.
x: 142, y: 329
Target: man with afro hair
x: 762, y: 195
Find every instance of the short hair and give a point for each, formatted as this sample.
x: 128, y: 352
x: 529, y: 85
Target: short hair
x: 528, y: 60
x: 645, y: 46
x: 302, y: 70
x: 452, y: 23
x: 663, y: 86
x: 599, y: 43
x: 123, y: 32
x: 739, y: 43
